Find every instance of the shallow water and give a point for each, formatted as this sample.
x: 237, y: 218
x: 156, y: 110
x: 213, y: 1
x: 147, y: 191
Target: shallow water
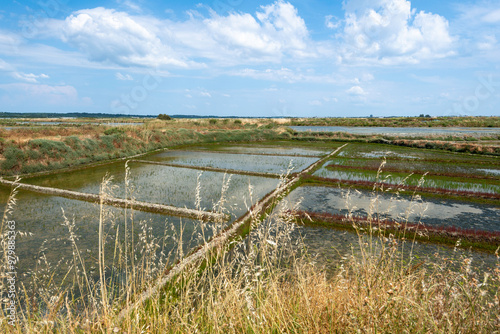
x: 419, y: 166
x: 251, y: 163
x: 474, y: 185
x: 41, y: 215
x: 167, y: 185
x: 429, y: 211
x: 274, y: 150
x: 400, y: 131
x: 43, y: 240
x: 330, y: 248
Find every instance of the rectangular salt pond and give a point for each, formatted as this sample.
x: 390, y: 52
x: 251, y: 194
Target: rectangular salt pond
x: 167, y: 185
x: 394, y: 131
x: 475, y: 185
x: 330, y: 248
x: 420, y: 166
x: 251, y: 163
x: 411, y: 154
x: 281, y: 150
x: 43, y: 234
x: 429, y: 211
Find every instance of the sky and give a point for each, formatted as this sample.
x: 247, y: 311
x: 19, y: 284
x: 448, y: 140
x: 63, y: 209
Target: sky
x: 304, y: 58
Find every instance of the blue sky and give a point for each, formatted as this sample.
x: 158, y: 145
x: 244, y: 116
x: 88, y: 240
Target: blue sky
x: 251, y: 58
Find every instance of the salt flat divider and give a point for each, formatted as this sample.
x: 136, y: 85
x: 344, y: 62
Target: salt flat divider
x: 209, y: 169
x: 136, y: 205
x: 221, y: 238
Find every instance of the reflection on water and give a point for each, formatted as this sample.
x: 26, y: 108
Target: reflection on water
x: 43, y: 239
x: 431, y: 211
x: 167, y: 185
x: 41, y: 216
x: 276, y: 150
x: 475, y: 185
x: 252, y: 163
x: 330, y: 248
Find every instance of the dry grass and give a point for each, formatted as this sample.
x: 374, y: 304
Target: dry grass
x: 265, y: 283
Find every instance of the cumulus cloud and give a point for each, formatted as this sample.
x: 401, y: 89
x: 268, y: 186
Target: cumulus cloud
x: 270, y: 34
x: 109, y: 36
x: 390, y: 31
x: 114, y: 37
x: 356, y: 90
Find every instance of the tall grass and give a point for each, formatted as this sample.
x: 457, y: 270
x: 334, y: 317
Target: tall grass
x: 264, y: 283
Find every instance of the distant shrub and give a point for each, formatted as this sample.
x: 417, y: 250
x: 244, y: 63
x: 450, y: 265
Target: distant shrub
x: 33, y: 154
x: 271, y: 125
x: 90, y: 144
x: 109, y: 141
x: 49, y: 147
x: 212, y: 121
x: 112, y: 131
x: 73, y: 141
x: 237, y: 121
x: 32, y: 168
x: 164, y: 117
x: 13, y: 158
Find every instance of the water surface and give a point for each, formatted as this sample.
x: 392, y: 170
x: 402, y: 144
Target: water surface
x: 390, y: 131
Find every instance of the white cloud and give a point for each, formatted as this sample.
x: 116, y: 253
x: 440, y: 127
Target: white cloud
x: 124, y: 77
x: 316, y: 103
x: 283, y: 74
x: 29, y: 77
x: 332, y: 22
x: 288, y: 75
x: 389, y: 32
x: 205, y: 94
x: 356, y: 90
x: 109, y: 36
x: 272, y: 33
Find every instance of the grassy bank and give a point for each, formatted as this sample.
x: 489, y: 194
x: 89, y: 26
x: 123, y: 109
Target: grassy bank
x: 400, y: 122
x: 50, y: 148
